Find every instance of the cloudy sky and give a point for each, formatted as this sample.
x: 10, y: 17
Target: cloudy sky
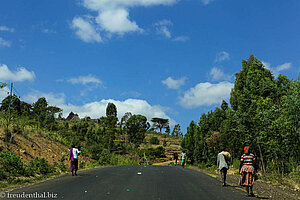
x: 161, y: 58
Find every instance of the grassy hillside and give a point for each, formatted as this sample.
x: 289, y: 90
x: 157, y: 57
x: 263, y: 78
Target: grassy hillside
x: 47, y: 151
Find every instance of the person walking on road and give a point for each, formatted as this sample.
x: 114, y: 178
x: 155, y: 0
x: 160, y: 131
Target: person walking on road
x: 183, y: 157
x: 247, y: 171
x: 74, y: 152
x: 175, y: 155
x: 223, y: 161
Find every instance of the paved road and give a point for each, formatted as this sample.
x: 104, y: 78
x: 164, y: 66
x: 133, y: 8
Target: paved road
x: 137, y: 183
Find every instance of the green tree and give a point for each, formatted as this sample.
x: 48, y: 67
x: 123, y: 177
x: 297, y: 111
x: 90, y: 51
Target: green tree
x: 111, y: 110
x: 136, y: 127
x: 111, y: 119
x: 188, y: 142
x: 176, y: 131
x: 160, y: 123
x: 168, y: 131
x: 252, y: 82
x: 11, y: 104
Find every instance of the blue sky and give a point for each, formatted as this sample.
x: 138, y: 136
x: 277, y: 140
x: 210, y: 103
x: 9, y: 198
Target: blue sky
x: 161, y: 58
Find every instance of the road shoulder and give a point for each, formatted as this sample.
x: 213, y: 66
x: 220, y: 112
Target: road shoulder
x: 262, y: 189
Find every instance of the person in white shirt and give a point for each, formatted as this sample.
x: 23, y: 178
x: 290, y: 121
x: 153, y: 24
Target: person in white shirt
x: 183, y: 157
x: 74, y: 152
x: 223, y: 161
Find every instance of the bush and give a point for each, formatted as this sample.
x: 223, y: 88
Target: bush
x: 122, y: 160
x: 41, y: 166
x: 10, y: 165
x: 104, y: 157
x: 165, y: 143
x: 295, y: 175
x: 152, y: 153
x: 236, y: 163
x: 61, y: 164
x: 154, y: 140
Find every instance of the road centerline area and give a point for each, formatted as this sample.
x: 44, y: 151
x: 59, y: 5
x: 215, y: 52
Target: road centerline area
x: 136, y: 183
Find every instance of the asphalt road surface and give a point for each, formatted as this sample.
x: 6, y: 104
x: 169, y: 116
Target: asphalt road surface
x: 135, y: 183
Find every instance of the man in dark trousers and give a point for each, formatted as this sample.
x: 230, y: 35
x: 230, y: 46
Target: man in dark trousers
x: 223, y: 161
x: 175, y: 155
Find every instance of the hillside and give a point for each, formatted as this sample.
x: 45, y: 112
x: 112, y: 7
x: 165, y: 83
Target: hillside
x: 38, y: 144
x: 171, y: 145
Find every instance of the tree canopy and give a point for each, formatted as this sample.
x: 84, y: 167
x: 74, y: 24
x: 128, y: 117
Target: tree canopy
x: 160, y: 123
x: 264, y: 114
x: 136, y: 127
x: 111, y: 110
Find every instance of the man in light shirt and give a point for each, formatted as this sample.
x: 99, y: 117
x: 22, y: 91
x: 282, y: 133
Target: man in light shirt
x: 74, y: 152
x: 183, y: 157
x: 223, y: 160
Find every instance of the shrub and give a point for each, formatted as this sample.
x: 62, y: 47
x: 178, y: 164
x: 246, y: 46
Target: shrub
x: 41, y: 166
x: 165, y: 143
x: 104, y: 157
x: 154, y: 140
x: 10, y: 165
x: 122, y: 160
x: 61, y: 164
x: 236, y: 163
x: 152, y: 153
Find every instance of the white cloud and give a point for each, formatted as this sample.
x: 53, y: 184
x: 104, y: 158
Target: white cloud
x: 85, y: 80
x: 278, y: 68
x: 221, y: 56
x: 97, y: 109
x: 162, y: 28
x: 116, y: 21
x: 113, y: 15
x: 99, y: 5
x: 181, y: 38
x: 218, y: 75
x: 49, y: 31
x: 206, y: 94
x: 5, y: 28
x: 173, y: 83
x: 267, y: 65
x: 4, y: 43
x: 20, y: 75
x: 206, y: 2
x: 134, y: 94
x: 52, y: 99
x: 284, y: 66
x: 85, y: 30
x: 4, y: 92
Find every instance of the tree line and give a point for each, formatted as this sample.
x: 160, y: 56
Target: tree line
x: 264, y: 114
x: 95, y: 136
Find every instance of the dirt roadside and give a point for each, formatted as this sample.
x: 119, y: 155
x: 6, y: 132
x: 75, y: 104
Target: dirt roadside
x: 262, y: 189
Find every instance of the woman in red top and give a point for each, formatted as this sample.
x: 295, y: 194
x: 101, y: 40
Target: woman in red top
x: 247, y: 170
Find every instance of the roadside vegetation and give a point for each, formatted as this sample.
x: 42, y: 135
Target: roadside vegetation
x: 103, y: 141
x: 264, y: 114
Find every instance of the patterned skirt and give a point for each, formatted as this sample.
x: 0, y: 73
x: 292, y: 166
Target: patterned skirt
x: 247, y: 176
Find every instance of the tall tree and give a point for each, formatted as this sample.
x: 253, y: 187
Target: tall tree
x: 124, y: 119
x: 176, y: 131
x: 111, y: 110
x: 111, y: 119
x: 160, y: 123
x: 168, y: 131
x: 136, y: 127
x: 252, y: 82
